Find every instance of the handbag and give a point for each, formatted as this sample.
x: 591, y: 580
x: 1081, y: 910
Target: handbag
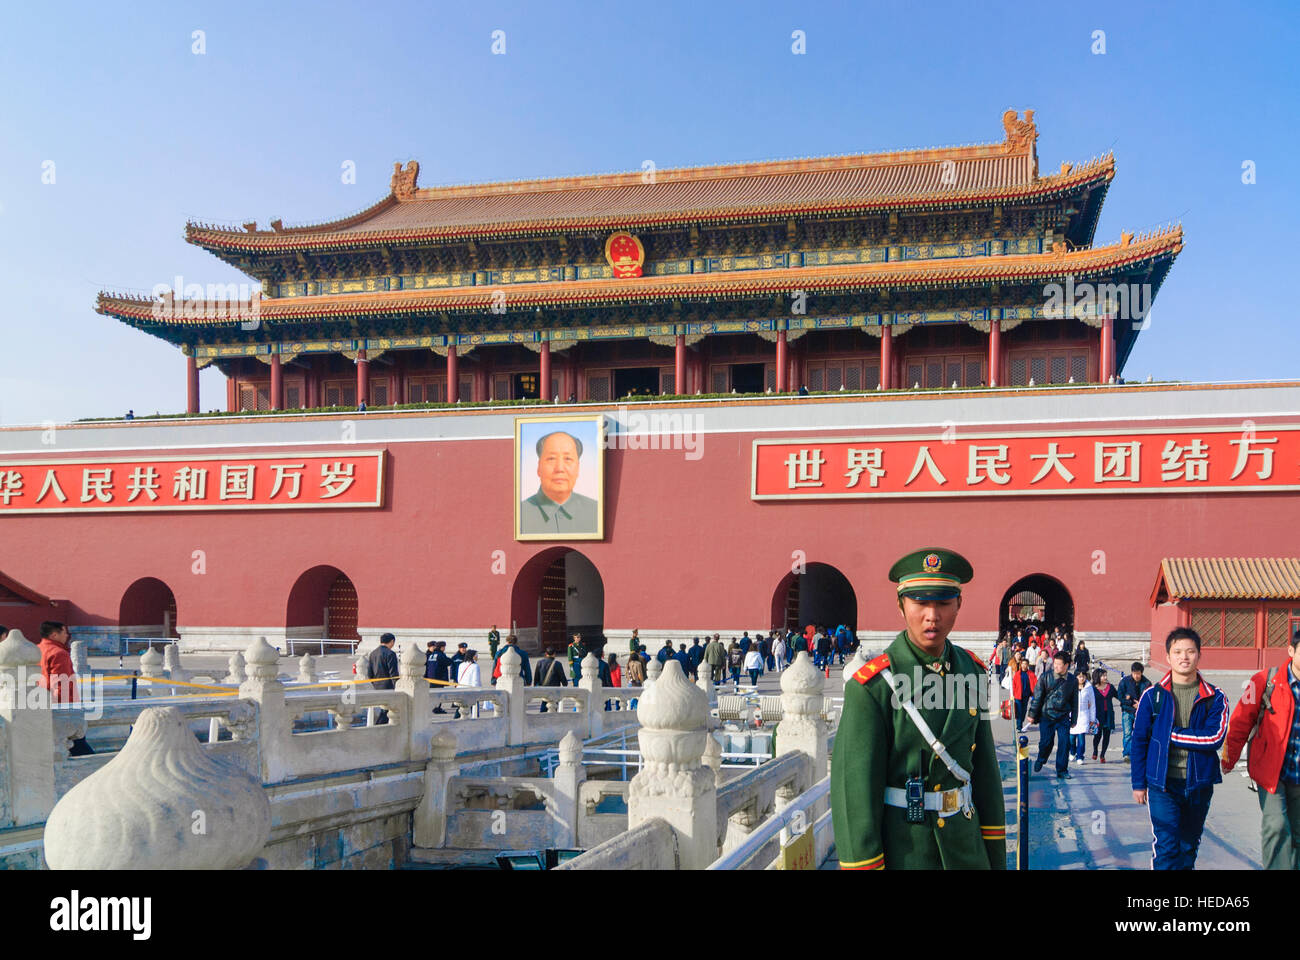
x: 1006, y: 709
x: 1093, y: 728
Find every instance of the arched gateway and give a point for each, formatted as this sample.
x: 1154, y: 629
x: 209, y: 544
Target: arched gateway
x: 1037, y: 599
x: 323, y: 605
x: 557, y: 593
x: 820, y: 595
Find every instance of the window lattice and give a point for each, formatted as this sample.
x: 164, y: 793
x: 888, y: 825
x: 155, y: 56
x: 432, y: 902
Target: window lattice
x: 914, y: 374
x: 1018, y: 378
x: 1239, y: 627
x: 379, y: 394
x: 973, y: 378
x: 1058, y: 370
x: 500, y: 388
x: 816, y: 378
x: 598, y: 389
x: 872, y: 378
x: 1209, y: 624
x: 934, y: 376
x: 770, y: 378
x: 466, y: 384
x: 1277, y: 629
x: 953, y: 375
x: 719, y: 381
x: 1079, y: 368
x: 834, y: 376
x: 853, y: 377
x: 1038, y: 369
x: 292, y: 398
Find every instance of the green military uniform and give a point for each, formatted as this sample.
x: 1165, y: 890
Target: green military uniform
x: 494, y: 641
x: 878, y: 746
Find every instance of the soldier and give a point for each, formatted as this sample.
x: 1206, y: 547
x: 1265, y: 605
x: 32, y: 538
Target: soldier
x: 494, y: 641
x: 915, y: 783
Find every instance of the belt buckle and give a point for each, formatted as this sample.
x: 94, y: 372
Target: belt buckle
x: 951, y: 800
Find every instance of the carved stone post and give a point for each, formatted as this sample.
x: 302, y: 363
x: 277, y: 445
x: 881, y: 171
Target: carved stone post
x: 802, y: 727
x: 705, y: 683
x: 673, y: 784
x: 307, y: 669
x: 80, y: 659
x: 569, y: 776
x: 653, y: 670
x: 161, y: 803
x: 411, y: 684
x: 856, y: 663
x: 172, y: 663
x: 236, y: 666
x: 274, y: 729
x: 151, y: 668
x: 429, y: 826
x: 26, y: 735
x: 511, y: 684
x: 713, y: 758
x: 595, y: 698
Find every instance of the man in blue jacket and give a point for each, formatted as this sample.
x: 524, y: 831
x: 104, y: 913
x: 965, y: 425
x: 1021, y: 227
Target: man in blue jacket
x: 1180, y: 724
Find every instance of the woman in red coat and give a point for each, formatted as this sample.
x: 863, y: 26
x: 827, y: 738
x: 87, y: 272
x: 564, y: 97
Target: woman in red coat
x: 1023, y: 681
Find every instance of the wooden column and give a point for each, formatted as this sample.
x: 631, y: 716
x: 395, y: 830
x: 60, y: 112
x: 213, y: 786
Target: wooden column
x: 886, y: 357
x: 191, y: 384
x: 544, y: 384
x: 995, y: 352
x: 453, y: 376
x: 796, y: 370
x: 232, y: 398
x: 363, y: 378
x: 570, y: 376
x: 782, y: 361
x: 1107, y: 349
x: 277, y: 383
x: 679, y: 364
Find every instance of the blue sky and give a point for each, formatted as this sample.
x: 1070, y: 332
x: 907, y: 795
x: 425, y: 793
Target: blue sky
x: 143, y: 134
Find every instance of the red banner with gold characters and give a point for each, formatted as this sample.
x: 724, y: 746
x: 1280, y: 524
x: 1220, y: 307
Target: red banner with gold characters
x: 953, y: 463
x: 280, y: 481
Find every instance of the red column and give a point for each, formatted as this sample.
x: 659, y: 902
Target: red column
x: 886, y: 358
x: 570, y: 377
x: 782, y: 361
x: 544, y: 385
x: 363, y: 378
x: 453, y: 377
x: 995, y: 352
x: 796, y: 370
x: 232, y: 401
x: 679, y: 364
x: 1107, y: 349
x: 191, y: 384
x: 277, y: 383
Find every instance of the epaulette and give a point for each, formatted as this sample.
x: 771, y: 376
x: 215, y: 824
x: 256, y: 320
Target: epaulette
x: 869, y: 670
x: 978, y: 661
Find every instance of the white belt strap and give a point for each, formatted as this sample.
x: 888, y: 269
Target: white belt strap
x: 897, y: 797
x: 939, y: 749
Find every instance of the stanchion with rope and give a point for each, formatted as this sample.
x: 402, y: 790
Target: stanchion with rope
x: 1022, y: 804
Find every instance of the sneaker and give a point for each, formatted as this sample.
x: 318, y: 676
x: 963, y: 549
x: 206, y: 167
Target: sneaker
x: 1094, y: 756
x: 1079, y: 760
x: 1064, y: 776
x: 1103, y: 760
x: 1038, y: 765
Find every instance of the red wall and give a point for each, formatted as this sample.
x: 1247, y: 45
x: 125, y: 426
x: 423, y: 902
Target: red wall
x: 685, y: 547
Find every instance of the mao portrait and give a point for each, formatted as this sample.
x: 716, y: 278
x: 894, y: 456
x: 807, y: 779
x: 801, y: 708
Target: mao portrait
x: 559, y: 478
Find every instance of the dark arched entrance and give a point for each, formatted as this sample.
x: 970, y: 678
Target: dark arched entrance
x: 558, y: 593
x: 323, y: 605
x: 820, y: 595
x: 1037, y: 600
x: 148, y: 609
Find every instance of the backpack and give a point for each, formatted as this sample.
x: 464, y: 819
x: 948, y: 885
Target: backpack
x: 1265, y: 704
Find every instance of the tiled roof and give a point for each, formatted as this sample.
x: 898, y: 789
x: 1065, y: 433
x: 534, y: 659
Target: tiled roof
x: 917, y: 273
x: 1232, y: 578
x: 911, y: 179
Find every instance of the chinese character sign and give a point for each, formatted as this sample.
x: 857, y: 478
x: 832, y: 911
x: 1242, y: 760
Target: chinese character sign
x: 236, y: 482
x: 1211, y: 460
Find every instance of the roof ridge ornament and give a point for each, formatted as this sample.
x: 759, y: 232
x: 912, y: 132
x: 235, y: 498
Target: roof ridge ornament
x: 403, y: 182
x: 1021, y: 134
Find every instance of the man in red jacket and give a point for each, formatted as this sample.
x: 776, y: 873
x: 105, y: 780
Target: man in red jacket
x: 1274, y: 762
x: 58, y: 675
